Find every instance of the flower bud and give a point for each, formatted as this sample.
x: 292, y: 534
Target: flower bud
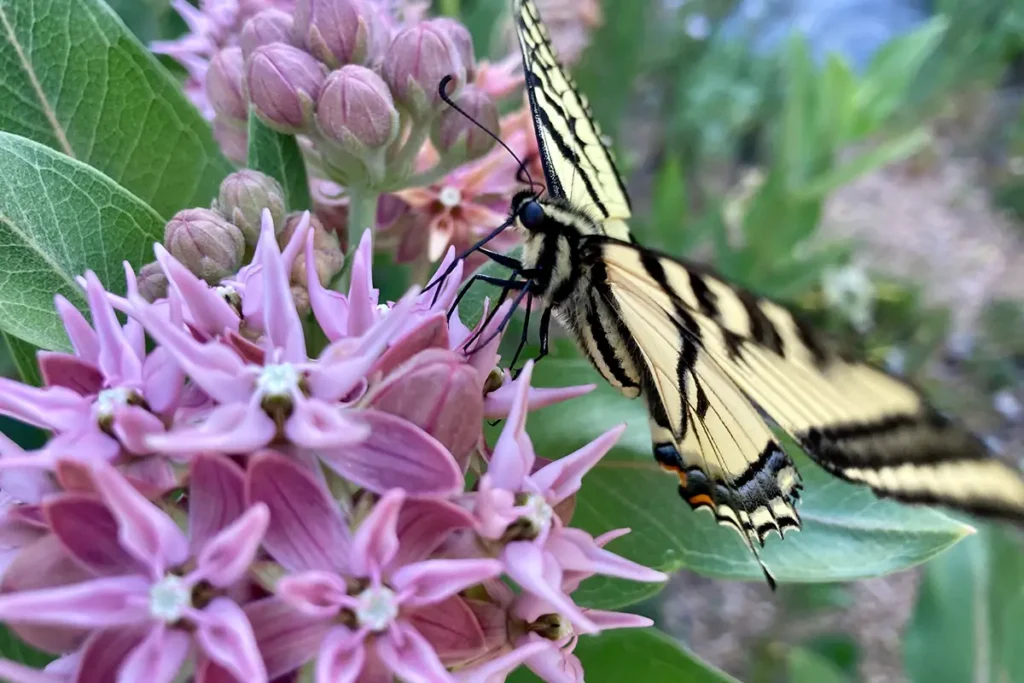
x: 224, y: 84
x: 458, y: 137
x: 243, y: 196
x: 355, y: 110
x: 283, y: 83
x: 338, y: 32
x: 152, y: 282
x: 438, y: 392
x: 418, y: 58
x: 233, y: 138
x: 269, y: 26
x: 326, y: 250
x: 463, y: 41
x: 205, y: 243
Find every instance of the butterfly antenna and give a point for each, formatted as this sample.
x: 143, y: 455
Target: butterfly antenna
x: 442, y: 91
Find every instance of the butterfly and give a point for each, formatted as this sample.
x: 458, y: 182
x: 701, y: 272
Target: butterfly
x: 711, y: 359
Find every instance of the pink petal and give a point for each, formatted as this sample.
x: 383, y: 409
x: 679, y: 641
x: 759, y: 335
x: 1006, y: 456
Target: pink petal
x: 329, y: 308
x: 224, y: 634
x: 495, y: 509
x: 26, y: 484
x: 498, y: 403
x: 362, y: 297
x: 430, y: 581
x: 99, y: 603
x: 158, y: 658
x: 216, y: 497
x: 14, y: 536
x: 429, y: 333
x: 576, y: 551
x: 424, y: 524
x: 306, y: 528
x: 315, y: 424
x: 341, y: 657
x: 450, y: 287
x: 376, y: 541
x: 227, y: 556
x: 563, y: 477
x: 281, y: 322
x: 556, y: 665
x: 104, y: 652
x: 80, y: 333
x: 162, y: 381
x: 208, y: 311
x: 495, y: 670
x: 88, y: 531
x: 315, y: 593
x: 153, y: 476
x: 286, y: 637
x: 70, y: 372
x: 611, y: 620
x: 117, y: 360
x: 231, y: 428
x: 451, y: 628
x: 54, y: 408
x: 513, y: 456
x: 409, y: 655
x: 485, y: 358
x: 212, y: 366
x: 538, y: 573
x: 143, y: 529
x: 208, y: 671
x: 396, y: 455
x: 133, y: 425
x: 12, y: 672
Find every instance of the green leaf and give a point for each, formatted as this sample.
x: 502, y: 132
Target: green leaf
x: 669, y: 229
x: 76, y: 80
x: 796, y: 146
x: 970, y: 609
x: 805, y: 666
x: 643, y: 655
x: 12, y: 648
x: 848, y: 533
x: 147, y: 19
x: 278, y: 155
x: 24, y: 356
x: 59, y: 218
x: 471, y: 306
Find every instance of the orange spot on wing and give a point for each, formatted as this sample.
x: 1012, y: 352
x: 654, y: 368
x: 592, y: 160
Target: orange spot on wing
x: 701, y: 499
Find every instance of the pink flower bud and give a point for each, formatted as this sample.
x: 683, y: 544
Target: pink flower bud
x: 269, y: 26
x: 355, y: 110
x: 233, y: 138
x: 326, y: 250
x: 224, y: 84
x: 456, y: 136
x: 152, y: 282
x: 338, y: 32
x: 283, y: 83
x: 418, y: 58
x: 463, y: 41
x: 205, y: 243
x: 243, y: 196
x: 440, y: 393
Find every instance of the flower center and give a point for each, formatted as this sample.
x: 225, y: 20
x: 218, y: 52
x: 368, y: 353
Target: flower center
x: 169, y: 598
x: 450, y: 197
x: 278, y: 380
x: 377, y: 608
x: 538, y: 512
x: 109, y: 399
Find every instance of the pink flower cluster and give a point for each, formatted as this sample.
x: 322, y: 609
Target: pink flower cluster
x: 220, y: 504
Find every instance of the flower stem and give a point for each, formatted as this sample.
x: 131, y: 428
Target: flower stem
x: 362, y: 214
x: 450, y: 8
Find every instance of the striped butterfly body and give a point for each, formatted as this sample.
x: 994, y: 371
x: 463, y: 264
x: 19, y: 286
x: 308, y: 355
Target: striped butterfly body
x: 711, y: 359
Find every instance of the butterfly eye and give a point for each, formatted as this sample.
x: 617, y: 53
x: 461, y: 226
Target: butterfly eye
x: 531, y: 215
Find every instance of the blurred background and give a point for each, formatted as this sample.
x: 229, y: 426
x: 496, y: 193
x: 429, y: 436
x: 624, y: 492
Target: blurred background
x: 862, y: 160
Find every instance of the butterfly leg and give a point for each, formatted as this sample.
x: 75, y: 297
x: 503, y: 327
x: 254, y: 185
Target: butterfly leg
x: 524, y: 288
x: 543, y: 331
x: 522, y: 338
x: 502, y: 260
x: 491, y: 280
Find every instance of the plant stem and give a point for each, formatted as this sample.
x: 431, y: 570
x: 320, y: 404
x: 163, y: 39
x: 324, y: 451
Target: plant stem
x: 362, y: 214
x: 450, y: 8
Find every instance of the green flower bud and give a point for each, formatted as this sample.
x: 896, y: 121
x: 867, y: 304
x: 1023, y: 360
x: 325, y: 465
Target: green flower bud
x: 152, y: 282
x: 456, y: 136
x: 205, y: 243
x: 224, y: 84
x: 327, y: 252
x: 356, y: 111
x: 243, y: 196
x: 414, y: 65
x: 283, y: 84
x: 338, y: 32
x: 269, y: 26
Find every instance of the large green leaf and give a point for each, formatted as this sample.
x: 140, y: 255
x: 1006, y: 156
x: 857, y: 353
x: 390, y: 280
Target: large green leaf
x: 148, y: 19
x: 645, y: 656
x: 970, y: 614
x: 278, y: 155
x: 807, y: 666
x: 848, y: 533
x: 24, y: 356
x: 59, y: 218
x: 76, y: 80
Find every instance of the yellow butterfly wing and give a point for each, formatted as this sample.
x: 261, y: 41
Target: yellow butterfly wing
x: 853, y: 419
x: 578, y: 166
